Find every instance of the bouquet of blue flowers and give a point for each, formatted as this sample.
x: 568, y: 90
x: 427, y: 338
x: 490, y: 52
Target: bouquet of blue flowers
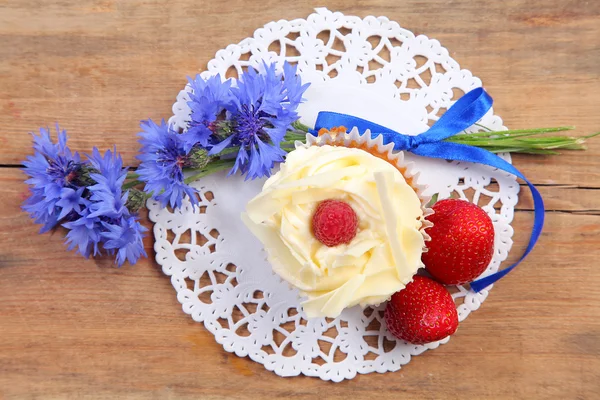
x: 246, y: 127
x: 84, y: 196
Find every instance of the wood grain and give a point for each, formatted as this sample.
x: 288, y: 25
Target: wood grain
x: 75, y: 328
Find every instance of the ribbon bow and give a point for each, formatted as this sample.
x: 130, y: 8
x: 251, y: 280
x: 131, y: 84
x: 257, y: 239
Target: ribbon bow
x: 469, y: 109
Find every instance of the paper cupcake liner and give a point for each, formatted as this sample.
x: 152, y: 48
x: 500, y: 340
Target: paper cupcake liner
x: 376, y: 147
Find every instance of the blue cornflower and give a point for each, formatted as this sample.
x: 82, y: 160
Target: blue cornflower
x: 111, y: 173
x: 108, y: 199
x: 85, y: 196
x: 44, y: 145
x: 71, y: 200
x: 109, y: 222
x: 42, y: 211
x: 163, y: 156
x: 208, y: 100
x: 84, y: 233
x: 51, y: 169
x: 265, y: 108
x: 124, y: 237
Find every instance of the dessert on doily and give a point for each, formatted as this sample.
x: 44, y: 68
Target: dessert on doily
x: 345, y: 217
x: 342, y: 224
x: 345, y: 222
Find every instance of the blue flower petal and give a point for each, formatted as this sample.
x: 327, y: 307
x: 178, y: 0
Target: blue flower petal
x: 266, y: 105
x: 163, y: 156
x: 125, y: 238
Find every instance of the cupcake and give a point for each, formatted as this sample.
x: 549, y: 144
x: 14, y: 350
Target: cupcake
x: 343, y: 220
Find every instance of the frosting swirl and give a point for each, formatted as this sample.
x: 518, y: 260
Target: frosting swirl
x: 379, y: 261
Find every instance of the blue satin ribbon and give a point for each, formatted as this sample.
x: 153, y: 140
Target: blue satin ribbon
x: 464, y: 113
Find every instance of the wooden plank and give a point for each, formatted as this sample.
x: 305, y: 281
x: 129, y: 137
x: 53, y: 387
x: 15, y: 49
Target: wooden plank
x: 563, y: 198
x: 72, y: 327
x: 75, y: 328
x: 99, y: 67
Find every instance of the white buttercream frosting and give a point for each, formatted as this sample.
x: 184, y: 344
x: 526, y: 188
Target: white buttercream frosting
x: 379, y: 261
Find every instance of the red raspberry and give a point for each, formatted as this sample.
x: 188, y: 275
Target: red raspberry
x: 334, y: 222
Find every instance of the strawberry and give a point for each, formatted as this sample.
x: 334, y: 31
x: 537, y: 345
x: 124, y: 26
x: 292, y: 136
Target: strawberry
x: 334, y: 222
x: 462, y: 242
x: 423, y: 312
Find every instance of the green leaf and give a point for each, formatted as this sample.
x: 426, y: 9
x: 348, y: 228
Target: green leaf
x: 433, y: 200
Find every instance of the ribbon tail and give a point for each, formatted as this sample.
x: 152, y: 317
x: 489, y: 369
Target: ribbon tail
x: 461, y: 152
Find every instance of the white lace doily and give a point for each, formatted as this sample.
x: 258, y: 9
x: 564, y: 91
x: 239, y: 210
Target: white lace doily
x: 368, y: 67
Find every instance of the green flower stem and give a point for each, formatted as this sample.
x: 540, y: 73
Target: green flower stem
x: 510, y: 141
x: 519, y: 141
x: 289, y: 144
x: 513, y: 131
x: 290, y: 139
x: 220, y: 164
x: 514, y: 141
x: 214, y: 166
x: 229, y: 150
x: 294, y: 135
x: 300, y: 126
x: 131, y: 184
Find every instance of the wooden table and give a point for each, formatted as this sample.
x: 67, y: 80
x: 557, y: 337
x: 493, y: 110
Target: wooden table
x: 72, y: 328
